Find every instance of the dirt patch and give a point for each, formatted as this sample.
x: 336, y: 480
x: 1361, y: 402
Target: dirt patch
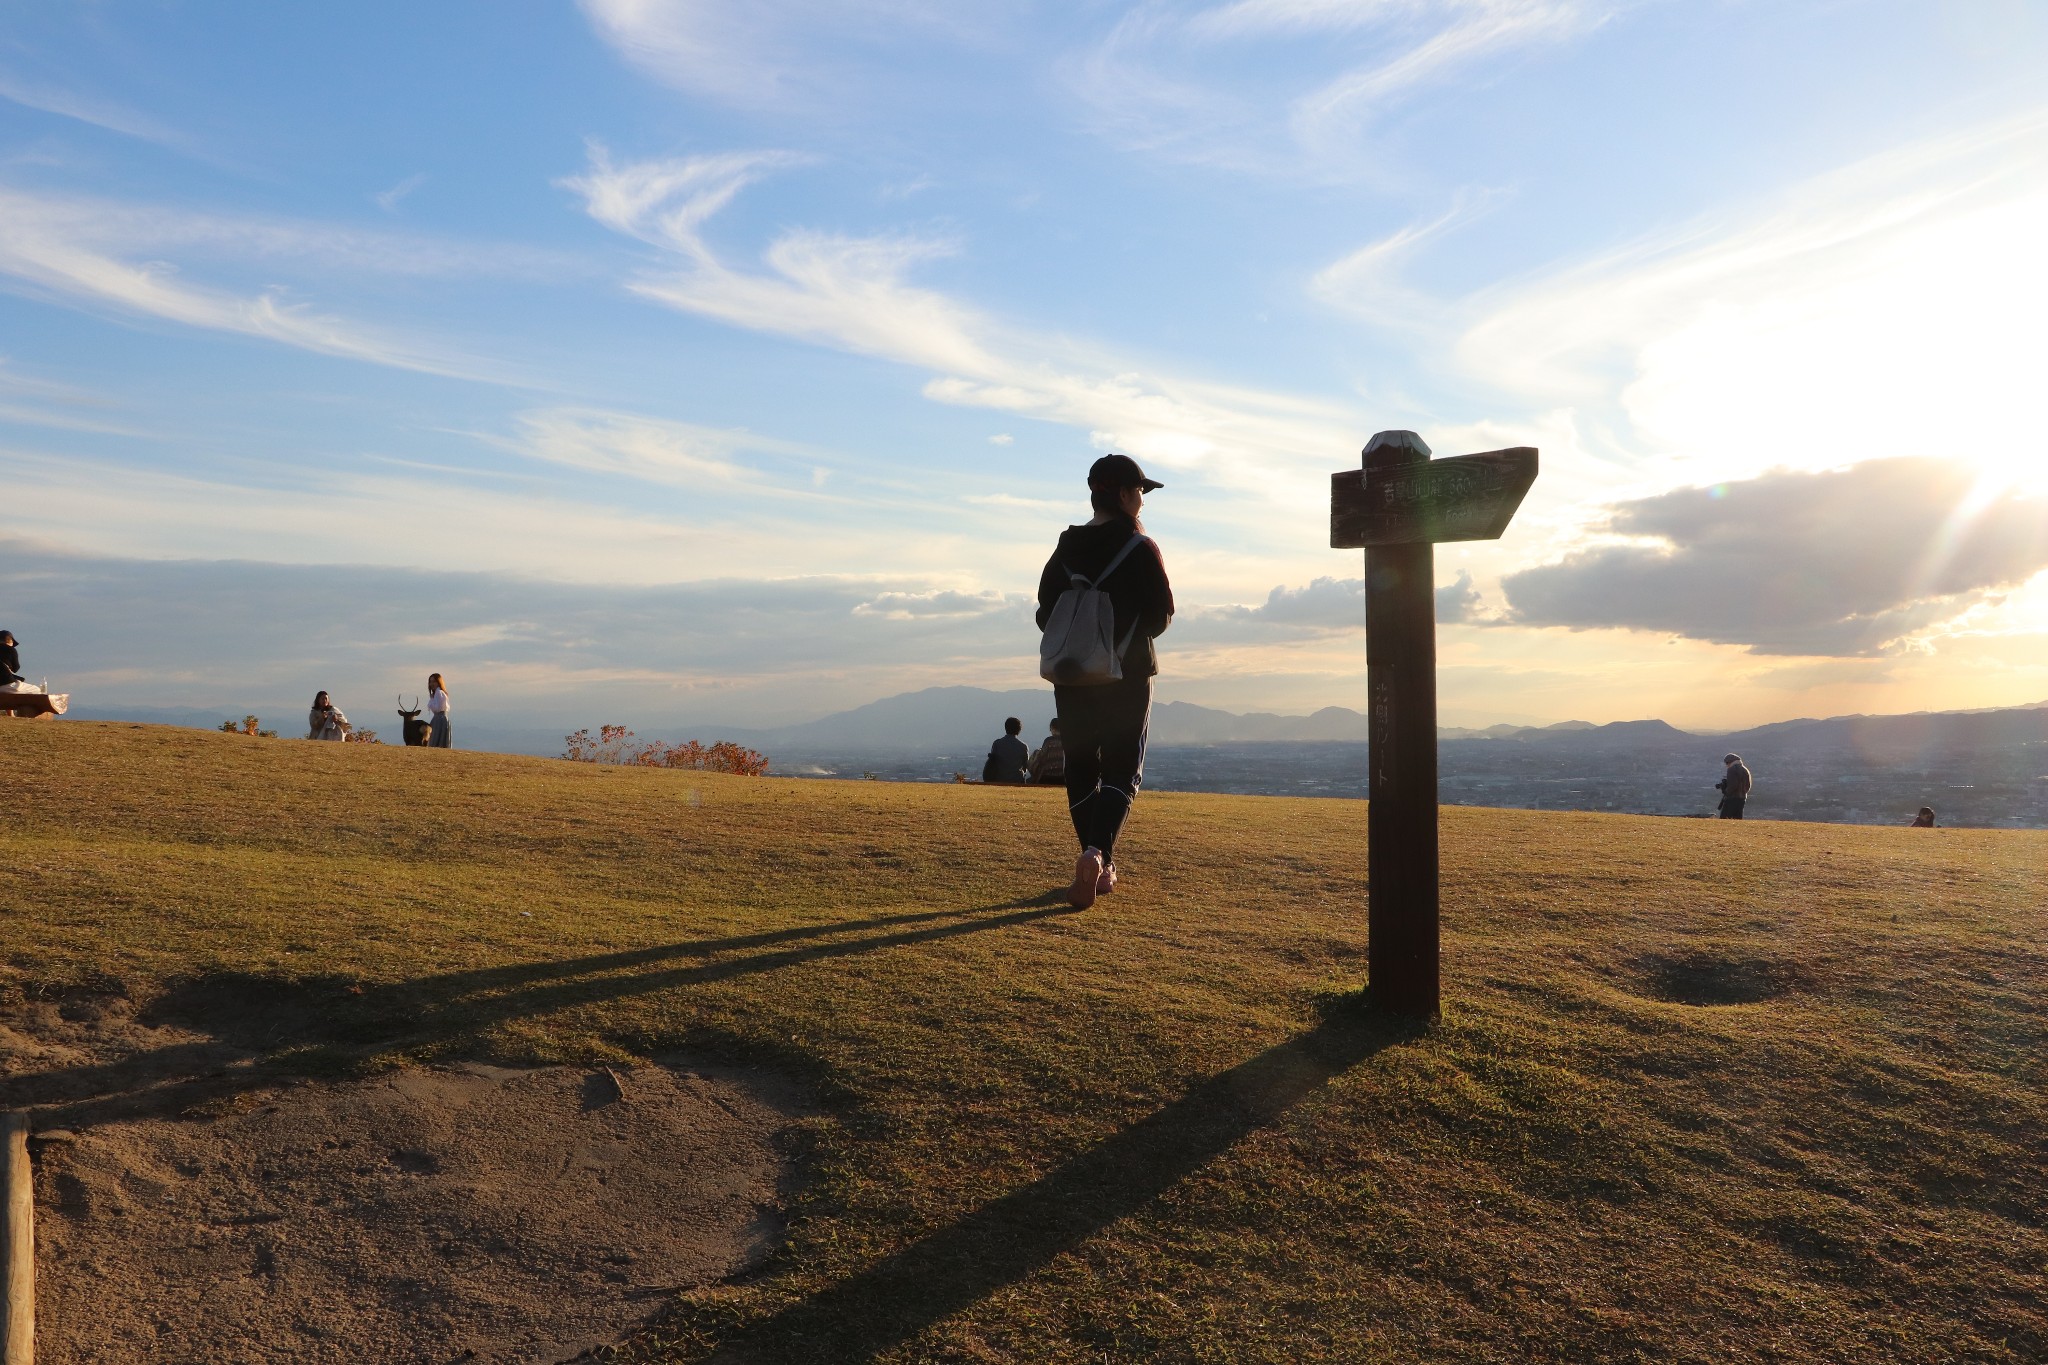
x: 1703, y: 978
x: 431, y: 1214
x: 207, y: 1203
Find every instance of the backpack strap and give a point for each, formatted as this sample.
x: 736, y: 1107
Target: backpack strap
x: 1129, y: 546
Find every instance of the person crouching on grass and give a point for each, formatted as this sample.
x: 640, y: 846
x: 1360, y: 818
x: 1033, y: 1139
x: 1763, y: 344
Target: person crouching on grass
x: 325, y: 721
x: 1103, y: 726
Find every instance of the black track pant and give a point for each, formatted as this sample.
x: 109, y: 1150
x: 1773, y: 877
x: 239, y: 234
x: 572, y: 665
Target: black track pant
x: 1103, y: 731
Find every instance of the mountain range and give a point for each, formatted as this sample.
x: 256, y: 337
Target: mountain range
x: 964, y: 719
x: 967, y: 718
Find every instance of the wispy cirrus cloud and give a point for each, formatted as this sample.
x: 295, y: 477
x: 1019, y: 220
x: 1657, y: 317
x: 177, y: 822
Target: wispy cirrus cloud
x: 388, y: 200
x: 855, y: 294
x: 34, y: 401
x: 111, y: 255
x: 792, y: 56
x: 1179, y: 82
x: 89, y: 109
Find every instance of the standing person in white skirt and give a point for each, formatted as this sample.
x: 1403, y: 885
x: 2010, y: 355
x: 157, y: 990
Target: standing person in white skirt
x: 1103, y: 726
x: 437, y: 706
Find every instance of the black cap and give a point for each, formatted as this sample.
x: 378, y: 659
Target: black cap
x: 1119, y: 471
x: 1733, y: 758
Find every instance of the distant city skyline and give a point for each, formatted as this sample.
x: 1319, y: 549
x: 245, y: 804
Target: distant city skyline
x: 700, y: 362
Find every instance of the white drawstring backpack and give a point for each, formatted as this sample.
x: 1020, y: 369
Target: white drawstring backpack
x: 1080, y: 648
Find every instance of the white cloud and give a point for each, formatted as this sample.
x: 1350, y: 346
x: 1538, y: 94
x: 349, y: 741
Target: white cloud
x: 41, y: 402
x: 855, y: 294
x: 111, y: 255
x: 1369, y: 282
x: 800, y: 54
x: 1471, y: 30
x: 944, y: 604
x: 87, y: 109
x: 1181, y: 83
x: 1001, y: 439
x: 388, y: 200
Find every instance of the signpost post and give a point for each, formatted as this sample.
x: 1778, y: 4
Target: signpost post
x: 1396, y: 507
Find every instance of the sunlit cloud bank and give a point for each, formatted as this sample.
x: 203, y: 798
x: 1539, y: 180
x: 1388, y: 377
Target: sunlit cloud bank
x: 1852, y: 562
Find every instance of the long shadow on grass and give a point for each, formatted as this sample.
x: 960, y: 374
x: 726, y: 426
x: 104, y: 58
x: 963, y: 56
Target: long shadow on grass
x: 1005, y: 1241
x: 328, y: 1024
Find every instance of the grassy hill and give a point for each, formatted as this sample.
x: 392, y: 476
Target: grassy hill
x: 1703, y: 1091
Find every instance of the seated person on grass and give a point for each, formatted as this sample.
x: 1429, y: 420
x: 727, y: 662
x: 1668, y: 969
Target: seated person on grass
x: 325, y: 721
x: 1049, y: 764
x: 1008, y: 758
x: 10, y: 660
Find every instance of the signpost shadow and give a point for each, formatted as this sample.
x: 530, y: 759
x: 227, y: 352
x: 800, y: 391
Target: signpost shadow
x: 1005, y: 1241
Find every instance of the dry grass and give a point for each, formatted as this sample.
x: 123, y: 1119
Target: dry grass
x: 1703, y: 1092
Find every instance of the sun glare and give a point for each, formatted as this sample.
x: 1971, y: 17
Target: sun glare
x: 1923, y: 341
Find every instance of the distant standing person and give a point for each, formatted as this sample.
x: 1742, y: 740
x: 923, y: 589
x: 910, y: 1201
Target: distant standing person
x: 1009, y: 761
x: 437, y: 707
x: 1734, y: 787
x: 1103, y: 725
x: 1049, y: 764
x: 1925, y: 819
x: 10, y: 659
x: 325, y: 721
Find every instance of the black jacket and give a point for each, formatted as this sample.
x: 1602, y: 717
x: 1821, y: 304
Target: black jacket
x: 10, y: 664
x: 1009, y: 760
x: 1138, y: 590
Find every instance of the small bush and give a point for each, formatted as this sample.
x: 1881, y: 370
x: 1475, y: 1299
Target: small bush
x: 616, y: 745
x: 247, y: 725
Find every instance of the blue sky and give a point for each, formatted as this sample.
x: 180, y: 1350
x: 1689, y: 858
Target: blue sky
x: 687, y: 363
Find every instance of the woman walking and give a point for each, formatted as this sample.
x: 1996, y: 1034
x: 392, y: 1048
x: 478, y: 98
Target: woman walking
x: 437, y: 707
x: 1103, y: 725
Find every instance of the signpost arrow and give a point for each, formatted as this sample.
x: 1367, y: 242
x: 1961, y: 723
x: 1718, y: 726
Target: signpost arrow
x: 1397, y: 506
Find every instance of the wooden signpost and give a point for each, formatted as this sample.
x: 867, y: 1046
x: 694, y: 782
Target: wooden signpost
x: 1397, y: 506
x: 17, y: 1243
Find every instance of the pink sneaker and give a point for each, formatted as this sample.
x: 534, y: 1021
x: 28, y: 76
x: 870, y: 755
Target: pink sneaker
x: 1106, y: 883
x: 1088, y: 874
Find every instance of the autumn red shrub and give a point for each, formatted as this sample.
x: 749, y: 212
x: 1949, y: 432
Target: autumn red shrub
x: 616, y: 745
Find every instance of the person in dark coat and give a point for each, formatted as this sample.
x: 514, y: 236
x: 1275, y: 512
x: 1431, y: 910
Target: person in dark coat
x: 1009, y: 759
x: 10, y: 659
x: 1734, y: 787
x: 1925, y: 819
x: 1103, y: 726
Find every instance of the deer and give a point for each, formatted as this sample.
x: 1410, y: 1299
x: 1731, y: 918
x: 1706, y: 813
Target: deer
x: 416, y: 730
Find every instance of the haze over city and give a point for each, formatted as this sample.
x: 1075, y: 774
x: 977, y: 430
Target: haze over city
x: 699, y: 363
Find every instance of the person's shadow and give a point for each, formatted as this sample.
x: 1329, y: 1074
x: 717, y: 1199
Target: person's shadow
x: 266, y: 1028
x: 262, y: 1028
